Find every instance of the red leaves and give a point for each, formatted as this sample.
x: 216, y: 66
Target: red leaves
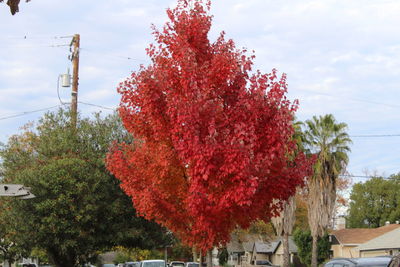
x: 214, y: 143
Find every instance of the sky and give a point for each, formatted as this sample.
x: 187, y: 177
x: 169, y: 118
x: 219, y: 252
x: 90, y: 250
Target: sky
x: 341, y: 57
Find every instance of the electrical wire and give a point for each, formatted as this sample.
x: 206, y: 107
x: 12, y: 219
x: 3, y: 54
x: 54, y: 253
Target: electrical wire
x: 352, y: 99
x: 114, y: 56
x: 366, y: 176
x: 375, y: 135
x: 37, y: 37
x: 44, y: 109
x: 28, y: 112
x: 94, y: 105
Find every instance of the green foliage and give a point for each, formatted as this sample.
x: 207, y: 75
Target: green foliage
x: 180, y: 252
x: 328, y: 141
x: 9, y: 250
x: 40, y: 254
x: 326, y: 138
x: 374, y: 202
x: 303, y: 240
x: 261, y: 228
x: 223, y: 256
x: 121, y: 258
x: 79, y: 208
x: 135, y: 254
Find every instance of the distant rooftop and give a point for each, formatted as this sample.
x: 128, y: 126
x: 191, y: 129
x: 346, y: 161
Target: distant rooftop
x: 361, y: 235
x: 386, y: 241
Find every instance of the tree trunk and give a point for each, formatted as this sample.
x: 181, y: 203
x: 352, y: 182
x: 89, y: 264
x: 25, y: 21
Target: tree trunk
x: 194, y: 252
x: 209, y: 258
x: 286, y: 252
x: 314, y: 254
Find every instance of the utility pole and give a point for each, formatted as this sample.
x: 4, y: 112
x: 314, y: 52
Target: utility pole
x: 75, y: 77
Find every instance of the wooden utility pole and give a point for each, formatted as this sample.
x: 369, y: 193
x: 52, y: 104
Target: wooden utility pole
x: 75, y: 77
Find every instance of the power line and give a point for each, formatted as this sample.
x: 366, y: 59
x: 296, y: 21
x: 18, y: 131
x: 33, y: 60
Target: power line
x: 28, y: 112
x: 367, y: 176
x: 34, y: 46
x: 48, y: 108
x: 108, y: 108
x: 34, y: 37
x: 375, y: 135
x: 26, y: 37
x: 114, y: 56
x: 352, y: 99
x: 94, y: 105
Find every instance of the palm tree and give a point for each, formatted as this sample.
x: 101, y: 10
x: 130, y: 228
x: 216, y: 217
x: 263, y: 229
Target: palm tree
x: 284, y: 225
x: 328, y: 141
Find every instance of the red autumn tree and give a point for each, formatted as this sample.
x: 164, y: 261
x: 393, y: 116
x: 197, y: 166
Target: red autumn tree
x: 214, y: 144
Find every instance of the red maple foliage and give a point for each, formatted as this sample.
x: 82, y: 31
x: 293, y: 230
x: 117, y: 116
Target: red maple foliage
x: 214, y: 144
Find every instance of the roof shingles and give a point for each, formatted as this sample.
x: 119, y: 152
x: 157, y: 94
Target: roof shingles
x: 355, y: 236
x: 390, y: 240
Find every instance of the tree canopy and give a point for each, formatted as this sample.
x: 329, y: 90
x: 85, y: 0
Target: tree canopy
x: 214, y: 142
x: 79, y: 208
x: 374, y: 202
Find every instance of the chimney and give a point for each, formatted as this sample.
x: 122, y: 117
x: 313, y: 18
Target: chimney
x: 340, y: 223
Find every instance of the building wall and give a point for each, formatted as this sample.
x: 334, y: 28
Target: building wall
x: 374, y: 253
x: 277, y: 258
x: 340, y: 251
x: 378, y: 252
x: 248, y: 255
x: 260, y: 257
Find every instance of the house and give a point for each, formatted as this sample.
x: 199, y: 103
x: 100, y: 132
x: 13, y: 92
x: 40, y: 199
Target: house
x: 273, y: 252
x: 263, y: 251
x: 345, y: 242
x: 277, y: 257
x: 240, y: 248
x: 254, y: 248
x: 386, y: 244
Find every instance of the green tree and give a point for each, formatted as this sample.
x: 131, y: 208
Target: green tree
x: 327, y: 139
x: 9, y: 250
x: 79, y: 208
x: 223, y: 256
x: 180, y: 251
x: 374, y: 202
x: 303, y: 240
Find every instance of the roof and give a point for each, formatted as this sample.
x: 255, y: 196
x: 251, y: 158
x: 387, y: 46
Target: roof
x: 240, y: 244
x: 388, y: 240
x: 234, y: 245
x: 292, y: 245
x: 261, y: 247
x: 271, y: 247
x: 358, y: 236
x: 248, y: 246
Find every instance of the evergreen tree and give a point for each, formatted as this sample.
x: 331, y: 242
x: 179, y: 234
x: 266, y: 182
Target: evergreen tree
x: 79, y: 208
